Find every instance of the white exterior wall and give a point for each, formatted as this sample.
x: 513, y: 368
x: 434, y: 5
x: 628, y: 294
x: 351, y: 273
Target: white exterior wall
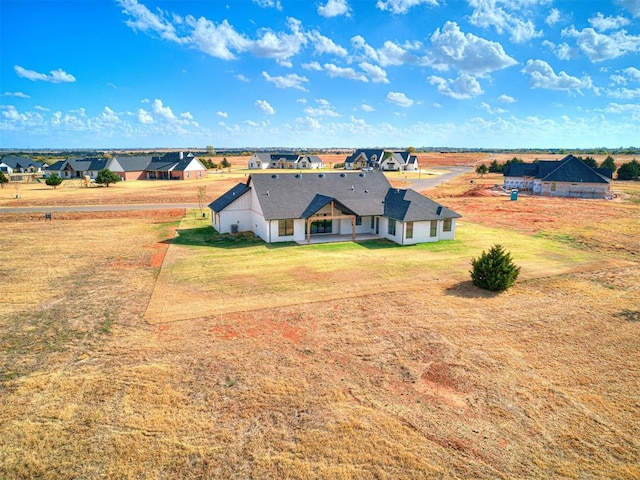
x: 238, y: 212
x: 5, y: 168
x: 575, y: 190
x: 390, y: 164
x: 513, y: 182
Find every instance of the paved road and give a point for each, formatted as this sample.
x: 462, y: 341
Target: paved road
x: 421, y: 184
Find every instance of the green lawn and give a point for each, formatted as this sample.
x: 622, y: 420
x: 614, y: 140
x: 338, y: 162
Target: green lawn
x: 246, y: 274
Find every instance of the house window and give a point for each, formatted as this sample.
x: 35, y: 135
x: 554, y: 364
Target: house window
x: 392, y: 227
x: 409, y: 229
x: 433, y: 231
x: 553, y: 187
x: 373, y: 223
x: 285, y: 228
x: 446, y: 225
x: 358, y: 220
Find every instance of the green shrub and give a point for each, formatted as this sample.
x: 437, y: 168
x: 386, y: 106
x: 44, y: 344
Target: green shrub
x: 494, y: 270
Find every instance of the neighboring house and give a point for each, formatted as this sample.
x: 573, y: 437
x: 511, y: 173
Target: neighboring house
x: 13, y: 164
x: 171, y: 166
x: 386, y: 160
x: 569, y: 177
x: 296, y: 207
x: 263, y: 161
x: 363, y: 158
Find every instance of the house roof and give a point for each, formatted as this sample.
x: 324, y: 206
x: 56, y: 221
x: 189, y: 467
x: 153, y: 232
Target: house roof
x: 572, y: 169
x: 569, y: 169
x: 136, y: 163
x: 20, y: 162
x: 312, y: 158
x: 368, y: 154
x: 410, y: 206
x: 229, y: 197
x: 289, y: 195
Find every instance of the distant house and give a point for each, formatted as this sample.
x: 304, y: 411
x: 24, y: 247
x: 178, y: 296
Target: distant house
x: 264, y: 160
x: 298, y: 207
x: 15, y: 164
x: 378, y: 159
x: 569, y: 177
x: 171, y: 166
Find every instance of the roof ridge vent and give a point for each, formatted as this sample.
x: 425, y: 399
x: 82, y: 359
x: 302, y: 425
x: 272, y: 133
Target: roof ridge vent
x: 321, y: 175
x: 298, y: 175
x: 275, y: 175
x: 343, y: 174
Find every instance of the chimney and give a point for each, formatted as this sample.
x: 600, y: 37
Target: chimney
x: 181, y: 155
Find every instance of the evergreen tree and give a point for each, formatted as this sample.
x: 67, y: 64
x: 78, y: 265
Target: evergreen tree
x: 609, y: 163
x: 494, y: 270
x: 53, y: 180
x: 629, y: 170
x: 3, y: 179
x: 106, y: 177
x: 482, y: 169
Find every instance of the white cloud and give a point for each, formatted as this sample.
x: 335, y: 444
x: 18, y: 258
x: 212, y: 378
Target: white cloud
x: 222, y: 114
x: 506, y: 99
x: 269, y: 4
x: 322, y: 45
x: 462, y: 88
x: 624, y: 93
x: 553, y: 17
x: 220, y: 41
x: 333, y: 8
x: 633, y: 73
x: 400, y: 99
x: 288, y: 81
x: 563, y: 51
x: 491, y: 110
x: 55, y: 76
x: 599, y: 47
x: 264, y: 107
x: 374, y: 72
x: 465, y: 52
x: 543, y: 76
x: 367, y: 108
x: 146, y: 21
x: 159, y: 109
x: 144, y: 116
x: 632, y: 5
x: 15, y: 94
x: 390, y: 53
x: 280, y: 46
x: 349, y: 73
x: 602, y: 23
x: 321, y: 112
x: 489, y: 13
x: 242, y: 78
x: 628, y: 108
x: 108, y: 115
x: 312, y: 66
x: 403, y: 6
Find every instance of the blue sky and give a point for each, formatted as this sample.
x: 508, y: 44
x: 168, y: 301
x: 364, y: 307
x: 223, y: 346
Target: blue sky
x: 327, y: 73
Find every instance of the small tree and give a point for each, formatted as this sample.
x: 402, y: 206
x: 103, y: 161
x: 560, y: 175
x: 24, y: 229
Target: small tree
x: 482, y: 170
x: 53, y: 180
x: 629, y: 170
x: 106, y: 177
x: 202, y: 197
x: 225, y: 163
x: 609, y: 163
x: 3, y: 179
x: 494, y: 270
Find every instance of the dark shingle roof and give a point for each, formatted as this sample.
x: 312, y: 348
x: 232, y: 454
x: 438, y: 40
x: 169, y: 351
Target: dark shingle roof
x: 368, y: 153
x: 225, y: 200
x: 572, y: 169
x: 136, y: 163
x: 288, y: 195
x: 20, y: 162
x: 410, y: 206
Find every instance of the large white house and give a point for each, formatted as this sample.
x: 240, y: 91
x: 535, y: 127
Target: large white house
x: 380, y: 159
x: 300, y: 206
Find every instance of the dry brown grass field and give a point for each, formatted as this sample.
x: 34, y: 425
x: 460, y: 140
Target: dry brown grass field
x: 142, y: 345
